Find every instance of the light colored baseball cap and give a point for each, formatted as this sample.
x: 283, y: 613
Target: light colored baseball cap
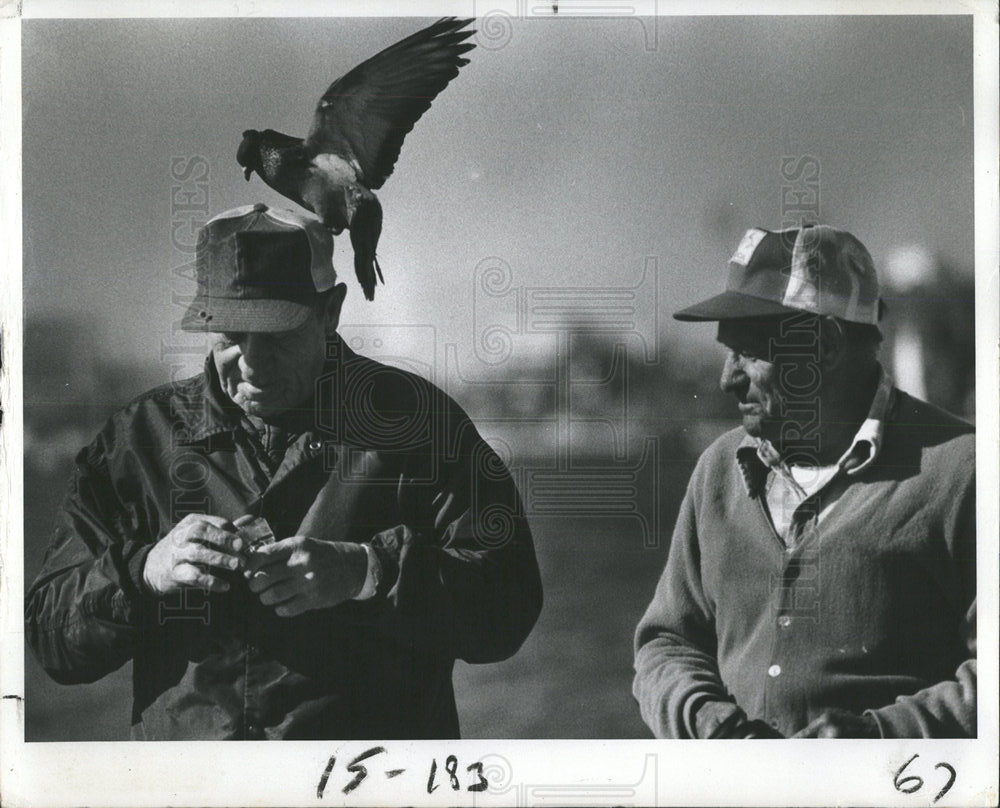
x: 816, y: 269
x: 259, y: 269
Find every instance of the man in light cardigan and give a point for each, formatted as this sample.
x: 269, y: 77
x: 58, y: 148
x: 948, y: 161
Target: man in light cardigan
x: 821, y: 577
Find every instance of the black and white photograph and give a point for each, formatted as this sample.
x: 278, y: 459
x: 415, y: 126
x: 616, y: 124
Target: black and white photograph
x: 484, y: 398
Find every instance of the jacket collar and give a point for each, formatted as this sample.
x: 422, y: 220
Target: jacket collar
x: 756, y: 457
x: 203, y: 408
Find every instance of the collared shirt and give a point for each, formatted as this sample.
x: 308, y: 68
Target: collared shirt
x: 875, y: 613
x: 791, y: 485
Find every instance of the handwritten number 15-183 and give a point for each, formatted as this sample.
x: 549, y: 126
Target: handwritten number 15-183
x: 360, y: 771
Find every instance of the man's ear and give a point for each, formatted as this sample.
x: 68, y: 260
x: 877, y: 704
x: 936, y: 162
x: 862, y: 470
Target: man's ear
x: 832, y: 344
x: 334, y: 303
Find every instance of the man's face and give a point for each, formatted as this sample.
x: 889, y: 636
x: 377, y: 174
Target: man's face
x: 271, y: 372
x: 771, y: 371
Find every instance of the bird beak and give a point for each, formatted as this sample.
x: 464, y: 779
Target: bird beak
x: 246, y: 173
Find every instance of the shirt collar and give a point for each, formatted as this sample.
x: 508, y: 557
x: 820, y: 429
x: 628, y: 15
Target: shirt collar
x: 756, y: 457
x: 867, y: 443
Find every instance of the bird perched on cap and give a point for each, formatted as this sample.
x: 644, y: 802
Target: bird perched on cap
x: 356, y: 134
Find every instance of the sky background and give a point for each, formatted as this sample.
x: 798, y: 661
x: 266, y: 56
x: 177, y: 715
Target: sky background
x: 571, y: 149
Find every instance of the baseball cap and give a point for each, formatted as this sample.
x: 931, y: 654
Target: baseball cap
x: 259, y: 269
x: 816, y: 269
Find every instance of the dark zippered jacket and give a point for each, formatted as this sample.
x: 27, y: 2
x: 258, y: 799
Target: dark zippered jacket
x: 381, y: 456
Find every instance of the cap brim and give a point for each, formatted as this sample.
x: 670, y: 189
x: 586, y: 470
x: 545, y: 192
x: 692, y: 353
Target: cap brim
x: 733, y: 306
x: 224, y: 314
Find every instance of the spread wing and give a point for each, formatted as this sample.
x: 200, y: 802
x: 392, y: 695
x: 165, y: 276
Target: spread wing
x: 365, y: 114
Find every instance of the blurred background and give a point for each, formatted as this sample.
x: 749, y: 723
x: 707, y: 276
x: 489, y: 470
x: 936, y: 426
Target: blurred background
x: 579, y: 181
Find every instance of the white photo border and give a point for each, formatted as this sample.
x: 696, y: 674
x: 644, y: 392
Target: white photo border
x: 537, y: 772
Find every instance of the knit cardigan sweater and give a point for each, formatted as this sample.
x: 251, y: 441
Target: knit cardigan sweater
x: 873, y: 610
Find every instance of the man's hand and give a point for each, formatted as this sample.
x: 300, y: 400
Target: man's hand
x: 737, y: 726
x: 186, y: 556
x: 840, y: 724
x: 301, y: 573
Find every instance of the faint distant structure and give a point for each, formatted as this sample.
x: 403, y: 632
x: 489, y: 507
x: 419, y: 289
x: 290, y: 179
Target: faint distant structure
x: 930, y: 329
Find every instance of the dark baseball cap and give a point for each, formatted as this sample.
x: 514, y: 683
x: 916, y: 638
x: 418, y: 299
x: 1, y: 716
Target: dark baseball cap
x: 816, y: 269
x: 259, y: 269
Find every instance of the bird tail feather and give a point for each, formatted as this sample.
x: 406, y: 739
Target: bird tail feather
x: 366, y: 227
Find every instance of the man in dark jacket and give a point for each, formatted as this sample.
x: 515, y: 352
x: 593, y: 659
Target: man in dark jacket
x: 821, y: 580
x: 297, y: 543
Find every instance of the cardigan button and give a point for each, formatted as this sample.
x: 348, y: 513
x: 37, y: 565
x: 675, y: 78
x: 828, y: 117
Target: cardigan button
x: 774, y: 670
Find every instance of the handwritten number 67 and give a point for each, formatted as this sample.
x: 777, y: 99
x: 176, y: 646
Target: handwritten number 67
x: 912, y: 783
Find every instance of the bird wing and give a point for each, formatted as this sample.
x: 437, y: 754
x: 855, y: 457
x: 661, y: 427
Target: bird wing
x: 366, y: 114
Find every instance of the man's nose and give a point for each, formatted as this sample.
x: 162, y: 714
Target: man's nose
x: 733, y: 378
x: 255, y: 355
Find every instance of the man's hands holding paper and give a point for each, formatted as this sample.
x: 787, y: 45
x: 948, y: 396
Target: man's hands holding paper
x: 294, y: 575
x: 300, y: 573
